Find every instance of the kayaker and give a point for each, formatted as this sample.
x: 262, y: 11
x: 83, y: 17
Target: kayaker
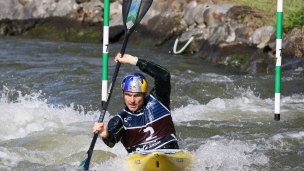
x: 145, y: 123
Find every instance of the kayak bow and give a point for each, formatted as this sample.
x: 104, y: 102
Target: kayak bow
x: 160, y: 160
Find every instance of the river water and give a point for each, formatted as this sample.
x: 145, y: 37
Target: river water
x: 51, y: 93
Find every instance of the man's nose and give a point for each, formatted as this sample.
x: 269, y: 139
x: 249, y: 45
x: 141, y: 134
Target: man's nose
x: 132, y: 98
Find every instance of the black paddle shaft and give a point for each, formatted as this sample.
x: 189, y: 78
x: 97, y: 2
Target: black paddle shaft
x: 142, y: 8
x: 105, y: 105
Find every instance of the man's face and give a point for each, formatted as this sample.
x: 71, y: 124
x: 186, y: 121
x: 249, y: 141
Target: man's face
x: 134, y: 101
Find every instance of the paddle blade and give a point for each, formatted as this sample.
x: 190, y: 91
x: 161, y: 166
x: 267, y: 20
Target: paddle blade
x: 133, y: 11
x: 82, y: 164
x: 85, y: 164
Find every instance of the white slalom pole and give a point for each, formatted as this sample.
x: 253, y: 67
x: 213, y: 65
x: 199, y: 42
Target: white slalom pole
x: 105, y: 55
x: 279, y: 59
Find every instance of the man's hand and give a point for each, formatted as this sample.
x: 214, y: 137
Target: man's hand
x: 102, y: 128
x: 126, y: 59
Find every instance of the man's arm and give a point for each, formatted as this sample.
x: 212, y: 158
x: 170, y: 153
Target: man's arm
x: 162, y: 85
x: 115, y: 128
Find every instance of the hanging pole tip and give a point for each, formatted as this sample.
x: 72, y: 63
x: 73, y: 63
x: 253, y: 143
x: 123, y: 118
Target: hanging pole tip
x: 276, y: 117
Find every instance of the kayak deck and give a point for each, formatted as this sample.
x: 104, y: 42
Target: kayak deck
x: 160, y: 160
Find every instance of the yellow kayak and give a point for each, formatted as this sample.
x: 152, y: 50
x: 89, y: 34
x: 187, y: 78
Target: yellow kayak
x: 160, y: 160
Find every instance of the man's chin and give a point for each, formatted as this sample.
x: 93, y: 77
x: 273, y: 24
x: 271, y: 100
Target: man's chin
x: 133, y: 109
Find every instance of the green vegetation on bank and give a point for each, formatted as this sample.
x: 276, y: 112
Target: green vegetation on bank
x: 295, y: 18
x: 293, y: 10
x: 88, y: 34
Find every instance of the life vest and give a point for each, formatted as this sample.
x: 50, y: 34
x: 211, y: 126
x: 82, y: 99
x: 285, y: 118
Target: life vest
x: 149, y: 129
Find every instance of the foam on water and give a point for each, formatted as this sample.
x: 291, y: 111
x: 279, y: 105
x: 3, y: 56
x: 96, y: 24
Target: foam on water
x: 29, y: 114
x: 43, y: 134
x: 35, y: 134
x: 245, y: 106
x: 223, y: 155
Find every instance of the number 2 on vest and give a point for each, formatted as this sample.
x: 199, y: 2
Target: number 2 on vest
x: 151, y: 130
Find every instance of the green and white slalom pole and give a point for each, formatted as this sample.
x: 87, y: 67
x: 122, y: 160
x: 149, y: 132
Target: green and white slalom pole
x: 105, y: 53
x: 277, y: 102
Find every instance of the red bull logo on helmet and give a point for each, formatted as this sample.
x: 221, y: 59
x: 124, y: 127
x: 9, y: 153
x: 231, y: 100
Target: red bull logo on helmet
x: 132, y: 88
